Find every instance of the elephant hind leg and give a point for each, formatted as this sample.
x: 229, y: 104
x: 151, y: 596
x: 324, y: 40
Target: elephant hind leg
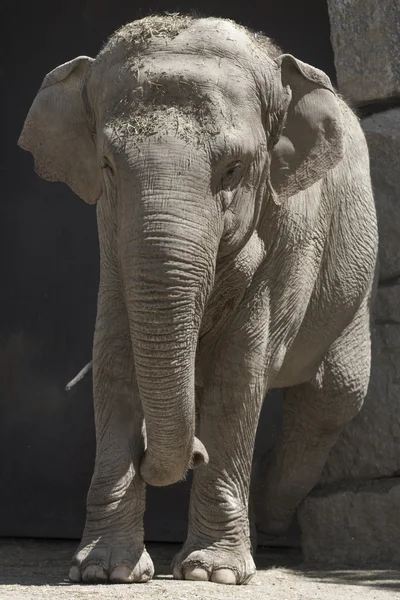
x: 315, y: 413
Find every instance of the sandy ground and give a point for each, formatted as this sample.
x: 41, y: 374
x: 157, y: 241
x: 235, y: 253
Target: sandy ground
x: 35, y: 569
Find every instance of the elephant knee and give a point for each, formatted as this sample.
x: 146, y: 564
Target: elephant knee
x: 343, y: 409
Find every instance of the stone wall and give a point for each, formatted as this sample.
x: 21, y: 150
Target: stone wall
x: 354, y: 515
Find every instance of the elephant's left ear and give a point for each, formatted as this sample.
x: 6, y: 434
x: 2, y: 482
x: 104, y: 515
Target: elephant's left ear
x: 311, y: 133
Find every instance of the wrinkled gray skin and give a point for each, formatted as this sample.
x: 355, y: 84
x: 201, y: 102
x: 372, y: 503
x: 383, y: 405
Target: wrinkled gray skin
x: 238, y: 244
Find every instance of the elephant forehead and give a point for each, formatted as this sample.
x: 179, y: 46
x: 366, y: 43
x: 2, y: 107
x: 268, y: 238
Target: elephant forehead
x: 161, y: 55
x: 164, y: 94
x: 193, y: 80
x: 160, y: 75
x: 190, y: 123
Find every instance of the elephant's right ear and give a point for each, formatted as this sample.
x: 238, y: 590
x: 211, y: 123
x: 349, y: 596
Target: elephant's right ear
x: 58, y: 134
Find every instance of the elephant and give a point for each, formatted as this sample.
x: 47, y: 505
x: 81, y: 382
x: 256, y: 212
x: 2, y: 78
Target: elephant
x: 238, y: 249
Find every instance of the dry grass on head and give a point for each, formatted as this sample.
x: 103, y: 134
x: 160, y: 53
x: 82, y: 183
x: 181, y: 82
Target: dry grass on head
x: 139, y: 33
x: 146, y: 111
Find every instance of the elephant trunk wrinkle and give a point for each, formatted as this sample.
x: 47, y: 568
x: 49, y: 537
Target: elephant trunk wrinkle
x: 164, y: 301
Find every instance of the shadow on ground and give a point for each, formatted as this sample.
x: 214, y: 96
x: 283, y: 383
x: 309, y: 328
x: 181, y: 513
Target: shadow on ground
x: 384, y: 579
x: 291, y: 561
x: 46, y: 563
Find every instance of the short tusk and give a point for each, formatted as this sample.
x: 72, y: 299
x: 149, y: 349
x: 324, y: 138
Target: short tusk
x: 82, y: 373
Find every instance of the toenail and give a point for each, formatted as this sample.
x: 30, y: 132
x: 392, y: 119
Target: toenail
x: 196, y: 574
x: 225, y: 576
x: 74, y: 574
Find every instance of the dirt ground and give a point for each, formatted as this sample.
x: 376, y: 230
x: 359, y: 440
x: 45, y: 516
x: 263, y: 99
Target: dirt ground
x: 36, y: 569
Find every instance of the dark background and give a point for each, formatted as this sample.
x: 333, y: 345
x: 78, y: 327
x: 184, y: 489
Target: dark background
x: 49, y: 266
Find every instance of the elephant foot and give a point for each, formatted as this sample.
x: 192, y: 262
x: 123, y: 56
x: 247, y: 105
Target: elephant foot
x: 111, y: 562
x: 231, y: 566
x: 273, y: 517
x: 273, y: 525
x: 273, y: 503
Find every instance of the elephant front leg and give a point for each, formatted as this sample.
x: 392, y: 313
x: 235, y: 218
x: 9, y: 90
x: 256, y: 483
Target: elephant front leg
x: 112, y: 547
x: 218, y: 546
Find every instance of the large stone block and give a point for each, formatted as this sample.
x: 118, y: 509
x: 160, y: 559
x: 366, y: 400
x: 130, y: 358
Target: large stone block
x: 369, y: 447
x: 365, y: 37
x: 383, y: 136
x: 356, y: 524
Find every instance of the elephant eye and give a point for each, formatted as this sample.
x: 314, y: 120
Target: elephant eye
x: 107, y: 167
x: 232, y: 175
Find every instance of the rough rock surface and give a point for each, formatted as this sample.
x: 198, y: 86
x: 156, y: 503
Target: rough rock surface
x: 365, y: 36
x: 352, y: 517
x: 354, y: 524
x: 383, y: 136
x: 369, y: 447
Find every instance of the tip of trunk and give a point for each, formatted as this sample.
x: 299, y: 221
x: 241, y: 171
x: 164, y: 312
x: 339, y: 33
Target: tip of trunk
x: 155, y: 472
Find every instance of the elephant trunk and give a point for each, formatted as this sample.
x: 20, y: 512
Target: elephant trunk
x: 167, y: 272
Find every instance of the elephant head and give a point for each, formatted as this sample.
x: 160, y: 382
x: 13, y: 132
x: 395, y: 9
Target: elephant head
x: 184, y: 129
